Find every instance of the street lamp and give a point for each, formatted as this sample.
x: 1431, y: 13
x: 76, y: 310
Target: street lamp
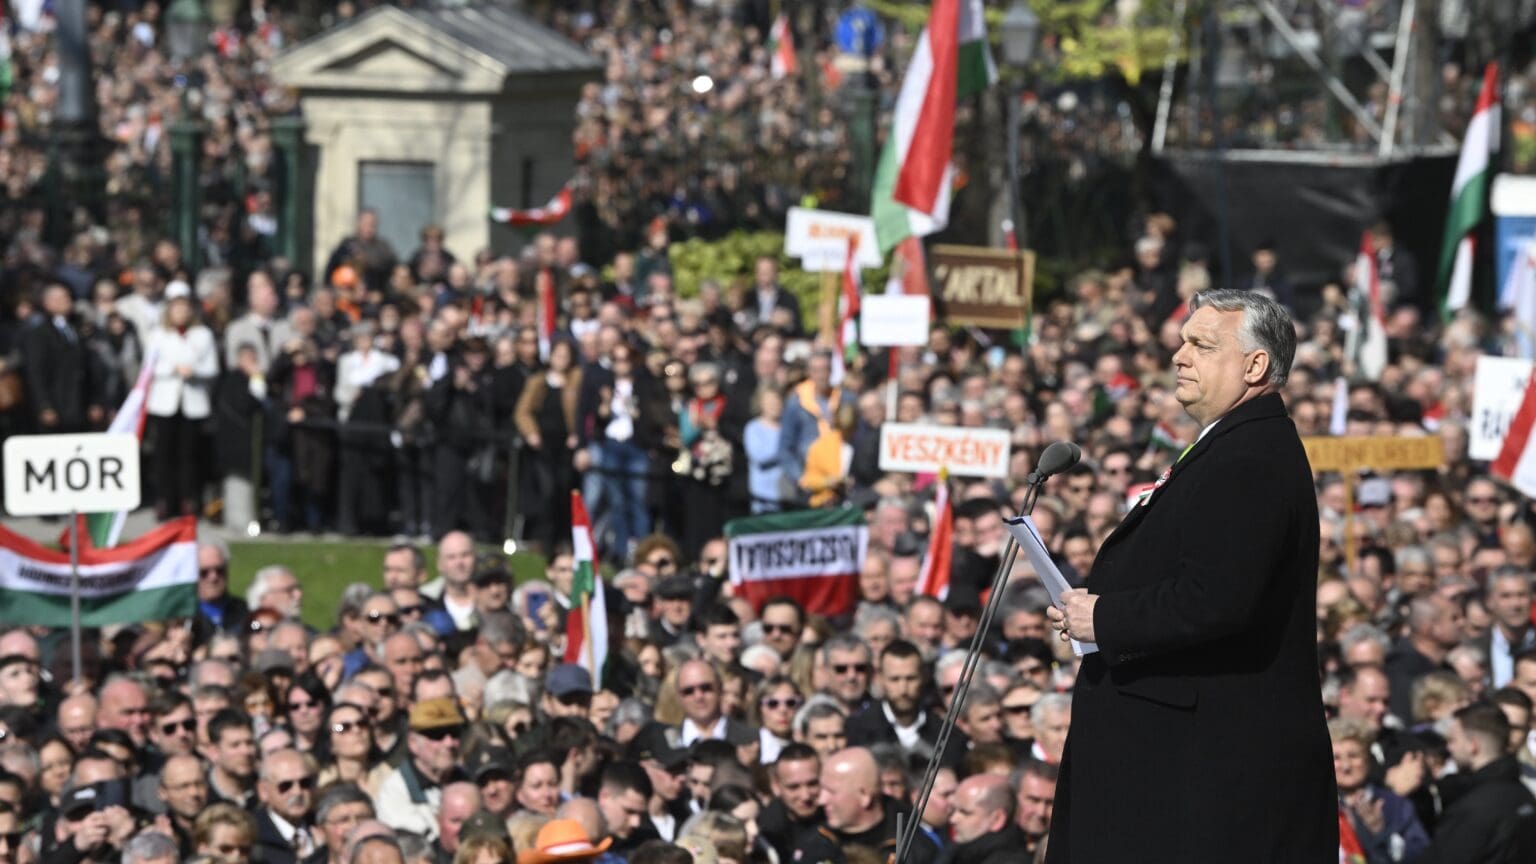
x: 187, y: 25
x: 1021, y: 34
x: 1021, y: 38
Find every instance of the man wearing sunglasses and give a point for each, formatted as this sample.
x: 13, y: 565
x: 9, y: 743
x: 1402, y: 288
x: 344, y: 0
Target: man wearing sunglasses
x: 411, y: 794
x: 848, y: 665
x: 698, y: 685
x: 172, y: 732
x: 287, y: 791
x: 217, y: 609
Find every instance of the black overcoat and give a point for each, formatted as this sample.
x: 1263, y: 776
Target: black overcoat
x: 1198, y: 732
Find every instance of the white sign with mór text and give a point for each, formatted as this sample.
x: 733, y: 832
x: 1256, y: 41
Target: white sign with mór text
x: 54, y: 475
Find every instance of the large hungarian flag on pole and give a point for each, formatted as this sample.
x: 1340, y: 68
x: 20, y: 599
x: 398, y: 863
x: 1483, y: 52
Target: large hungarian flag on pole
x: 586, y: 625
x: 914, y: 178
x: 814, y: 556
x: 1469, y: 196
x: 148, y: 579
x: 933, y: 580
x: 103, y: 530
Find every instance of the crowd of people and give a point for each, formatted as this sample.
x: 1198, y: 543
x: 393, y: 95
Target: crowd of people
x: 413, y: 393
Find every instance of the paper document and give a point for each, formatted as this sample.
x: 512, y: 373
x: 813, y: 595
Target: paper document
x: 1028, y: 537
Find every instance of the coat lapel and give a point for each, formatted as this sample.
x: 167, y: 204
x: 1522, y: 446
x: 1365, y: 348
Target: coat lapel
x: 1266, y: 406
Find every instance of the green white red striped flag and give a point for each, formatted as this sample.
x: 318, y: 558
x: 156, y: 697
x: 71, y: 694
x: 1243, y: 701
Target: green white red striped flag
x: 586, y: 625
x: 781, y: 49
x: 814, y: 556
x: 1368, y: 340
x: 151, y: 578
x: 104, y: 529
x: 914, y: 177
x: 933, y: 579
x: 1469, y: 196
x: 848, y: 312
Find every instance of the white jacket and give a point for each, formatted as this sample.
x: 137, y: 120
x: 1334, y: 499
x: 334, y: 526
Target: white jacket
x: 169, y: 392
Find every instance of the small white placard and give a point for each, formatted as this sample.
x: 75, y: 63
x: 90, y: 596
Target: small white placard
x: 893, y: 320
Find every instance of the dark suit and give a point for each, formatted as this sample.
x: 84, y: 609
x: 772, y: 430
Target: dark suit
x: 1198, y: 728
x: 870, y: 727
x: 59, y: 375
x: 271, y: 847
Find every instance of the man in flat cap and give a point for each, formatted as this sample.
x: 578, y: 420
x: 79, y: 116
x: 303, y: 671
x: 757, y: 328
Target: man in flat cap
x: 411, y: 795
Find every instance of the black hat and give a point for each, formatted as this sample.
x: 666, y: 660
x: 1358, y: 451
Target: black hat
x: 652, y: 743
x: 486, y: 825
x: 675, y: 588
x: 489, y: 760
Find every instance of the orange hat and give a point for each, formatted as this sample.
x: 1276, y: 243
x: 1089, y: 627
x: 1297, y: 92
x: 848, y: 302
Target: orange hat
x: 562, y: 840
x: 344, y: 276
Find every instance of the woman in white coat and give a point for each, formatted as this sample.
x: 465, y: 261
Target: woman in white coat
x: 186, y: 364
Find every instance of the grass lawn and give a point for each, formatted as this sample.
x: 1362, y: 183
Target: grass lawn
x: 326, y: 568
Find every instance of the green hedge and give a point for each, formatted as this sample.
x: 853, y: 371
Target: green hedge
x: 732, y: 258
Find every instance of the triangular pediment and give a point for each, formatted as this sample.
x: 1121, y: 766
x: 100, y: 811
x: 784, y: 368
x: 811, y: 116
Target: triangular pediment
x: 388, y: 50
x: 389, y: 59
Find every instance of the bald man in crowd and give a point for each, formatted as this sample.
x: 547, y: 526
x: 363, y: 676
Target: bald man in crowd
x: 981, y: 822
x: 858, y: 814
x: 77, y: 720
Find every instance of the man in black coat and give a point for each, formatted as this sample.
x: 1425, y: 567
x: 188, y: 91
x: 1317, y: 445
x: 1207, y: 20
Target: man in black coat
x: 903, y: 680
x: 1197, y: 726
x: 62, y: 383
x: 981, y: 823
x: 1489, y: 815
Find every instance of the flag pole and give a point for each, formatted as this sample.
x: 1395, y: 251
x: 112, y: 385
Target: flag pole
x: 586, y: 631
x: 74, y: 592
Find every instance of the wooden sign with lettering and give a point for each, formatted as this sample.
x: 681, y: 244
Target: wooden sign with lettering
x: 983, y: 287
x: 1381, y: 453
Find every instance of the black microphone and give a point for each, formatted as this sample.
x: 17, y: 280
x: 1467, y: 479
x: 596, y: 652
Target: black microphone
x: 1057, y: 458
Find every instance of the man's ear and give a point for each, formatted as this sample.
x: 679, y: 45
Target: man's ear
x: 1256, y: 371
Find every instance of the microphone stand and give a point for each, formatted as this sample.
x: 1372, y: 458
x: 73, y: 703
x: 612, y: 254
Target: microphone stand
x: 907, y: 833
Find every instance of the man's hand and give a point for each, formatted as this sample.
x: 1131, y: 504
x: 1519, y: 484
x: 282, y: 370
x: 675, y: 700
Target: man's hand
x: 1074, y: 617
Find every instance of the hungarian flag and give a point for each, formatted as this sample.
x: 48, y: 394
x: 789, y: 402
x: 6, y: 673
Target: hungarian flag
x: 909, y: 271
x: 1516, y: 462
x: 1368, y: 339
x: 548, y: 309
x: 914, y: 177
x: 1350, y: 850
x: 848, y: 313
x: 933, y: 580
x: 1469, y: 196
x: 103, y: 529
x: 549, y: 214
x: 781, y: 48
x: 586, y: 625
x: 814, y: 556
x: 148, y: 579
